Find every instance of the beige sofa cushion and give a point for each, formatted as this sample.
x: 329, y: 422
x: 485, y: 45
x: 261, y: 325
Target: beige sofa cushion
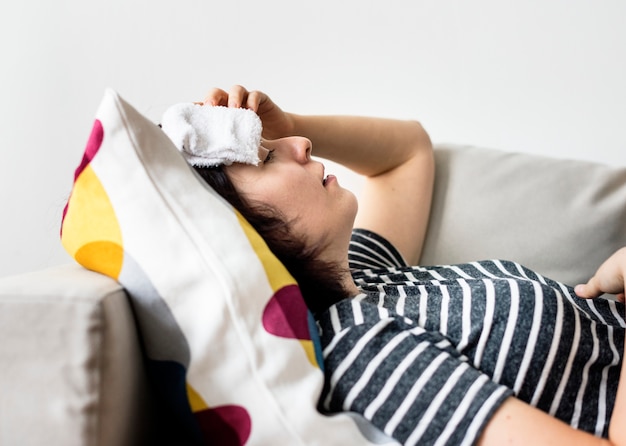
x: 559, y: 217
x: 70, y: 358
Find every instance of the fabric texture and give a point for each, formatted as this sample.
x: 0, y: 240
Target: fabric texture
x: 557, y: 216
x: 427, y: 354
x: 71, y: 351
x: 230, y: 346
x: 210, y: 136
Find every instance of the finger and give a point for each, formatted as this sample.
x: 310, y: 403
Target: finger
x: 588, y: 290
x: 254, y: 100
x: 581, y: 291
x: 216, y: 96
x: 237, y: 96
x: 621, y: 297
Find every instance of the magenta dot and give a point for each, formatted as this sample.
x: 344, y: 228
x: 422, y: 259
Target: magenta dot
x: 228, y: 425
x: 286, y: 314
x: 93, y: 145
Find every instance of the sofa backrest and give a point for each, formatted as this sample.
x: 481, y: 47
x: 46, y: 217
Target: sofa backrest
x: 559, y: 217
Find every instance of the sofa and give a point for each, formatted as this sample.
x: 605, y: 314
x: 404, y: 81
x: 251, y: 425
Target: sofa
x: 72, y: 371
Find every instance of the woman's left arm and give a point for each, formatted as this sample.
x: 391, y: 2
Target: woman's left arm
x: 396, y: 159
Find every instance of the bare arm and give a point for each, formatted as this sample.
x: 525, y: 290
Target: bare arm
x: 518, y: 423
x: 397, y: 161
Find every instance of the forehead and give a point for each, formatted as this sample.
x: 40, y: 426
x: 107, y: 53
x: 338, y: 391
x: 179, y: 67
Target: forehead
x: 240, y: 174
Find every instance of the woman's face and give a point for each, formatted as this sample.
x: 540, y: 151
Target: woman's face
x: 287, y: 179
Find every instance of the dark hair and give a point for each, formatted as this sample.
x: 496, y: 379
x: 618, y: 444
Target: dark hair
x: 318, y: 280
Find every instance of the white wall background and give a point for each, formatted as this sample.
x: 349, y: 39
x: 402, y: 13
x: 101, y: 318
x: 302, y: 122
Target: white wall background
x: 542, y: 76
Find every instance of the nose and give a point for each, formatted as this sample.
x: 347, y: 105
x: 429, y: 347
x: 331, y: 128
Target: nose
x: 300, y: 148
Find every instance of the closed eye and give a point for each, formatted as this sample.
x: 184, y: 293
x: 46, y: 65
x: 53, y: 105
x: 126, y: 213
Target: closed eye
x: 269, y: 157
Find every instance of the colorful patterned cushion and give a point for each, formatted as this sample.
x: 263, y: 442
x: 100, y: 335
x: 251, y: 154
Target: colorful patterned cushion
x: 230, y: 346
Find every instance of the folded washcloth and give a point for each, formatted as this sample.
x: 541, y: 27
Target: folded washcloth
x: 211, y: 136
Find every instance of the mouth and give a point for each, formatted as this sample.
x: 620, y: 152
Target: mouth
x: 326, y: 177
x: 329, y: 178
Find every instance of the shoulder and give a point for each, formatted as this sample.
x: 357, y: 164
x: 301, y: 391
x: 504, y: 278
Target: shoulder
x: 370, y: 250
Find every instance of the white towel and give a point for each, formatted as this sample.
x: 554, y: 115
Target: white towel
x: 211, y: 136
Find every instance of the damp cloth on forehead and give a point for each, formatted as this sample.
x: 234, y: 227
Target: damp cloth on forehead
x: 213, y: 135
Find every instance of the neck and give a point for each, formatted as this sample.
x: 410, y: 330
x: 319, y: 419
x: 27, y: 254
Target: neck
x: 339, y: 256
x: 350, y: 286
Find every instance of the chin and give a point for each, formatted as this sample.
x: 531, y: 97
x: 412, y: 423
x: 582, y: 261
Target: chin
x: 352, y: 204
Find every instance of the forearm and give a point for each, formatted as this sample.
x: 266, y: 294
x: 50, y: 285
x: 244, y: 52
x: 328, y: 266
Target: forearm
x: 369, y: 146
x: 517, y: 423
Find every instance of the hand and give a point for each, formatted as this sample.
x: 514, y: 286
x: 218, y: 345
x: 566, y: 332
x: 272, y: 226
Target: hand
x: 276, y: 123
x: 608, y: 279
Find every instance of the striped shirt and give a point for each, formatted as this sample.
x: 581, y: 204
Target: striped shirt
x: 428, y: 354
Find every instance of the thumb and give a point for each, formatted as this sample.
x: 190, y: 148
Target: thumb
x: 588, y: 290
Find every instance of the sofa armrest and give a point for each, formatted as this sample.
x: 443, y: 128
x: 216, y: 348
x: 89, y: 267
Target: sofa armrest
x: 71, y: 367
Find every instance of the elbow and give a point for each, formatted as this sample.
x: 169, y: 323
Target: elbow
x: 422, y: 137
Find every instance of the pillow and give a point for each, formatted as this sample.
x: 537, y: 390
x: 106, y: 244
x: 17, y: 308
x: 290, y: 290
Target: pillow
x: 231, y: 349
x: 559, y: 217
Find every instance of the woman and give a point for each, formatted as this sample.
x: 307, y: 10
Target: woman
x: 484, y: 353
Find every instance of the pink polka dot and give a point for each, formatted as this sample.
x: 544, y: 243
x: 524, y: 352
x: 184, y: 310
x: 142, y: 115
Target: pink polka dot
x: 225, y: 425
x: 286, y: 314
x: 93, y: 145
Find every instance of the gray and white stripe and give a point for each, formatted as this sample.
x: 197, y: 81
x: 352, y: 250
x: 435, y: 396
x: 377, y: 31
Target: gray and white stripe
x: 452, y: 342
